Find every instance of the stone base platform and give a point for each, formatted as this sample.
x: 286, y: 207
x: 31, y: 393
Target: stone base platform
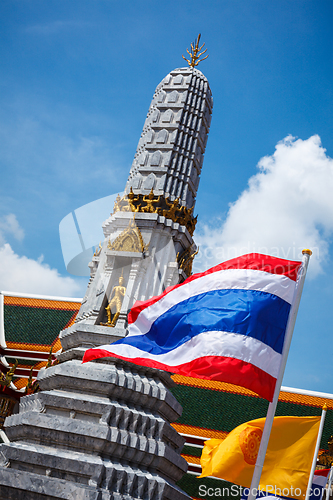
x: 95, y: 431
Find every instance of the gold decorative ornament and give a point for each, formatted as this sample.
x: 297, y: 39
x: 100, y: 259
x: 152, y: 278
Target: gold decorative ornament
x: 330, y: 444
x: 195, y: 54
x: 156, y: 204
x: 132, y: 200
x: 173, y: 208
x: 185, y: 262
x: 187, y: 217
x: 326, y: 458
x: 49, y: 359
x: 128, y: 202
x: 150, y: 202
x: 130, y: 240
x: 98, y: 250
x: 191, y: 225
x: 6, y: 380
x: 117, y: 206
x: 7, y: 404
x: 249, y: 442
x: 119, y: 293
x: 29, y: 384
x: 32, y: 386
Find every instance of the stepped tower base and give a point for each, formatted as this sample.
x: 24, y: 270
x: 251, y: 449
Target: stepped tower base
x: 95, y: 431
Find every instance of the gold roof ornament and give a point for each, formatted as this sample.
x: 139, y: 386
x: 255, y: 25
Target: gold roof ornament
x: 195, y: 54
x: 49, y: 360
x: 326, y: 459
x: 185, y: 261
x: 98, y: 250
x: 6, y: 379
x: 32, y: 386
x: 130, y: 240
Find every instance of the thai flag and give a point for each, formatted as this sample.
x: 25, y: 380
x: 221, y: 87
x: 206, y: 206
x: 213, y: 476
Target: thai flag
x: 226, y: 324
x: 318, y: 484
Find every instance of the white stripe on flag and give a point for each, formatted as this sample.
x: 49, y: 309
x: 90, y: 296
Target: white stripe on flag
x: 214, y: 343
x: 239, y: 279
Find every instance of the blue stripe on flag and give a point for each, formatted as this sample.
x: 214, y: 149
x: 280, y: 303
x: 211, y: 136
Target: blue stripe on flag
x: 253, y: 313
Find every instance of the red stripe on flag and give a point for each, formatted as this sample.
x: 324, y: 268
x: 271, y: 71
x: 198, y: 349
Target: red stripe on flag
x: 256, y: 261
x: 321, y: 472
x: 220, y: 368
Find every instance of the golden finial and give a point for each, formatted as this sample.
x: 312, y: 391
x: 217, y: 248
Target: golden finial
x: 307, y: 251
x: 195, y: 54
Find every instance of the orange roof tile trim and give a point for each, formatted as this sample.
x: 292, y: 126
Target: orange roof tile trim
x: 235, y: 389
x: 213, y: 385
x: 20, y: 383
x: 199, y: 431
x: 24, y: 346
x: 47, y: 303
x: 304, y: 399
x: 190, y: 459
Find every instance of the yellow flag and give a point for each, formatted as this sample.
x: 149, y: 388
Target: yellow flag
x: 288, y: 459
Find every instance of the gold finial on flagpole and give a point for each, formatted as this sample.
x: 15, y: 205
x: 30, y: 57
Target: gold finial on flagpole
x: 307, y: 251
x: 195, y: 54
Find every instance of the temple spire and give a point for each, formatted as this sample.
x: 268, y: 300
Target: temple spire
x: 102, y: 430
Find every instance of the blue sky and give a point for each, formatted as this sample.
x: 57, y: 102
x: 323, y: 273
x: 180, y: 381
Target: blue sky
x: 76, y: 82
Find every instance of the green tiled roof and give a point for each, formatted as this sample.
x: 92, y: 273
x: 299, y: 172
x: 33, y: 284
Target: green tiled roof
x: 34, y: 325
x: 31, y: 327
x: 191, y: 450
x: 224, y: 411
x: 215, y: 409
x: 25, y: 362
x: 191, y: 484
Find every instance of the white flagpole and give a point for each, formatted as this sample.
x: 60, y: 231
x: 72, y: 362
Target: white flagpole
x: 315, y: 455
x: 272, y: 406
x: 328, y: 489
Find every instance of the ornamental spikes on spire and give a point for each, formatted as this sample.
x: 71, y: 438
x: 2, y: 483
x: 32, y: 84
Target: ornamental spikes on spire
x: 195, y: 54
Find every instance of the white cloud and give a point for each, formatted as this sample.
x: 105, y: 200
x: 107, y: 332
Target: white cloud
x: 287, y: 206
x: 9, y: 225
x: 23, y: 275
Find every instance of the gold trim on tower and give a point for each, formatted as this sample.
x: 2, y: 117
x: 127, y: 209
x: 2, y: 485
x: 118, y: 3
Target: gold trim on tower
x: 130, y: 240
x: 185, y: 261
x: 159, y: 205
